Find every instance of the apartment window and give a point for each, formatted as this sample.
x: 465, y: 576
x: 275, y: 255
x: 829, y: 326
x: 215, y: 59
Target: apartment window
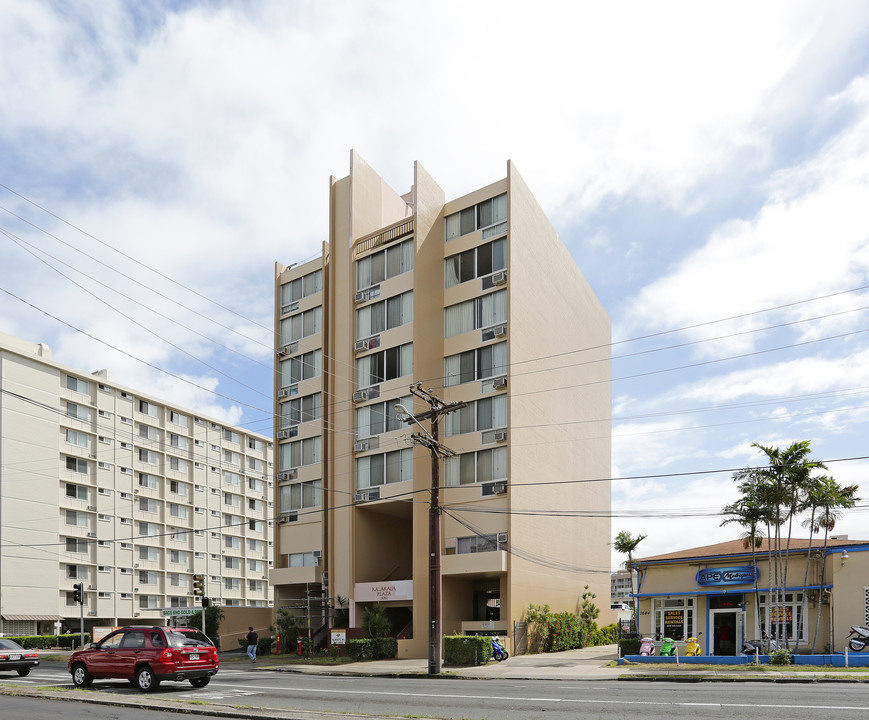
x: 148, y: 554
x: 255, y: 465
x: 232, y: 563
x: 148, y: 432
x: 126, y: 496
x: 230, y: 436
x: 103, y: 568
x: 231, y: 478
x: 255, y: 585
x: 104, y: 413
x: 233, y: 458
x: 148, y: 577
x: 126, y: 446
x: 149, y: 457
x: 299, y: 496
x: 178, y: 488
x: 481, y: 312
x: 255, y: 505
x: 177, y: 418
x: 149, y: 602
x: 484, y: 414
x: 125, y: 521
x: 478, y: 364
x: 126, y: 420
x: 147, y: 505
x: 76, y: 545
x: 388, y: 263
x: 255, y: 525
x: 380, y: 417
x: 476, y: 262
x: 485, y: 214
x: 147, y: 529
x: 150, y: 409
x: 391, y: 467
x: 254, y: 444
x: 384, y: 315
x: 178, y: 602
x: 79, y: 412
x: 179, y: 441
x: 301, y: 287
x: 79, y: 519
x: 477, y: 544
x: 231, y: 500
x: 303, y: 409
x: 255, y: 485
x: 256, y: 566
x: 177, y: 580
x: 77, y: 385
x: 301, y: 325
x: 126, y: 546
x: 301, y: 367
x: 126, y: 471
x: 79, y: 439
x: 78, y: 492
x: 476, y: 467
x: 77, y: 465
x: 179, y: 557
x: 76, y: 572
x: 232, y: 542
x: 385, y: 365
x: 179, y: 465
x: 104, y: 465
x: 148, y: 481
x: 256, y: 546
x: 104, y: 440
x: 178, y: 511
x: 301, y: 452
x: 300, y: 559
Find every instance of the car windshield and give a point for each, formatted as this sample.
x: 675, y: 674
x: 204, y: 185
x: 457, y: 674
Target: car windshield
x: 181, y: 638
x: 9, y: 645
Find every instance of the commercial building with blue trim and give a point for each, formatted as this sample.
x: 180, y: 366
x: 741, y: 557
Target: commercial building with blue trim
x: 722, y: 591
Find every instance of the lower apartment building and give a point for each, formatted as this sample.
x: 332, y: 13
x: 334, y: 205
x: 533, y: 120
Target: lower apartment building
x: 479, y: 301
x: 127, y: 494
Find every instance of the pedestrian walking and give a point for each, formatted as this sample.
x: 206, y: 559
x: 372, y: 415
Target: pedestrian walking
x: 252, y: 639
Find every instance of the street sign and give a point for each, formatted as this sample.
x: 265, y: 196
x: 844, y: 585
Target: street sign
x: 178, y: 612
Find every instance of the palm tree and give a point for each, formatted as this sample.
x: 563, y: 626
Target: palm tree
x: 812, y: 501
x: 833, y: 499
x: 626, y: 543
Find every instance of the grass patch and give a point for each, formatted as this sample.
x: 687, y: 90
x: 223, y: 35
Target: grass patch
x: 693, y: 667
x: 272, y: 660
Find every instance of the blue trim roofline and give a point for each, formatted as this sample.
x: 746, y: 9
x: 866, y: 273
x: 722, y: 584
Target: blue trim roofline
x: 730, y: 591
x: 761, y: 554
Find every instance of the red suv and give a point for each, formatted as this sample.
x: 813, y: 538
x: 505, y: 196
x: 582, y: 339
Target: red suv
x: 145, y: 656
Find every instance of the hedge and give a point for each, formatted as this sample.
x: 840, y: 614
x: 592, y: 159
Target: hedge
x: 629, y: 646
x: 372, y: 648
x: 46, y: 642
x: 467, y: 649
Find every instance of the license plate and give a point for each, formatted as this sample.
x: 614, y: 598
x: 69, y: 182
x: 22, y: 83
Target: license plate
x: 193, y: 656
x: 15, y: 657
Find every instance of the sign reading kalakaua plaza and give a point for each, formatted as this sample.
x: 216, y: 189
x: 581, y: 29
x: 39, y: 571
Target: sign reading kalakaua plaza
x: 384, y: 591
x: 742, y: 575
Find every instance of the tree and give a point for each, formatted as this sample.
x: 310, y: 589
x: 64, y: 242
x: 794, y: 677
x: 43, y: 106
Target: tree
x: 213, y: 617
x: 625, y: 543
x: 832, y: 500
x: 376, y: 622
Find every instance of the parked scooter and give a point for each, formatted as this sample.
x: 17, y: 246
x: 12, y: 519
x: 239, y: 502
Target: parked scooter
x: 668, y: 647
x: 498, y: 651
x: 861, y: 640
x: 764, y: 646
x: 647, y: 646
x: 692, y: 646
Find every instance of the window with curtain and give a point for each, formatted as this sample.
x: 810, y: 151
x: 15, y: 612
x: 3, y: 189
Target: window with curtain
x: 476, y: 262
x: 391, y: 467
x: 476, y: 467
x: 300, y: 496
x: 474, y: 314
x: 380, y: 417
x: 301, y: 367
x: 384, y: 315
x: 303, y: 409
x: 301, y: 325
x: 301, y: 287
x: 385, y: 365
x: 377, y: 267
x: 477, y: 364
x: 301, y: 452
x: 484, y: 214
x: 484, y: 414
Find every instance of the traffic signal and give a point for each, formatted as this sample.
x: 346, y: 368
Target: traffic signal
x: 199, y: 585
x: 78, y: 593
x: 206, y: 602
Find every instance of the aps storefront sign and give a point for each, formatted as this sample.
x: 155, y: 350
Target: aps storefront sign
x: 742, y: 575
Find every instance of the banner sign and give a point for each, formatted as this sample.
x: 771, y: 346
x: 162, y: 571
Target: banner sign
x: 742, y: 575
x: 178, y: 612
x: 383, y: 591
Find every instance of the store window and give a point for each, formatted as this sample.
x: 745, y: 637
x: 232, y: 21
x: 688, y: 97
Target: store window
x: 674, y: 617
x: 788, y: 611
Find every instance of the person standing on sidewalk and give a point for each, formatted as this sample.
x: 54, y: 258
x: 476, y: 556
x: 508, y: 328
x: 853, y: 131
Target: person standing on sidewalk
x: 252, y: 639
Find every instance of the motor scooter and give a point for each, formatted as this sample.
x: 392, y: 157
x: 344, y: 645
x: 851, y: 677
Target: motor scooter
x: 647, y: 646
x: 861, y: 640
x: 498, y: 651
x: 668, y: 647
x: 692, y: 646
x: 763, y: 646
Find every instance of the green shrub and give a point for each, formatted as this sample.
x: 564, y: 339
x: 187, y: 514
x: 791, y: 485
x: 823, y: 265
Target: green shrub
x: 781, y: 657
x: 607, y: 635
x: 46, y: 642
x: 566, y: 631
x: 467, y: 649
x: 629, y: 646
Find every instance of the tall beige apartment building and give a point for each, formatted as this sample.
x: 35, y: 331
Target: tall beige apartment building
x: 478, y: 300
x: 123, y: 492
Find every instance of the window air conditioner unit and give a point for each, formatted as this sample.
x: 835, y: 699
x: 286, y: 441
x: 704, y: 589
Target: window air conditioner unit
x: 361, y: 395
x: 317, y: 553
x: 493, y: 488
x: 499, y: 383
x: 500, y: 331
x: 368, y: 495
x: 92, y: 587
x: 288, y: 349
x: 362, y: 345
x: 502, y: 538
x: 288, y: 517
x: 92, y: 535
x: 500, y: 435
x: 284, y: 392
x: 499, y: 278
x: 289, y: 432
x: 92, y: 508
x: 361, y: 296
x: 361, y: 446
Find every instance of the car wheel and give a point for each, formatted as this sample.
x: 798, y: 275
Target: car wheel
x: 145, y: 680
x: 80, y: 676
x: 200, y: 682
x: 24, y: 671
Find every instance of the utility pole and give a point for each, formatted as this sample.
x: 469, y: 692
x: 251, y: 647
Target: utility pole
x: 430, y: 440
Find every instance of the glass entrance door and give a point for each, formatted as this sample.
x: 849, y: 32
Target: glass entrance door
x: 725, y: 633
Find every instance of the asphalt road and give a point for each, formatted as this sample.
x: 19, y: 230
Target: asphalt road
x: 464, y: 699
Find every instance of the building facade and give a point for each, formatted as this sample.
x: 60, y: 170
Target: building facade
x: 711, y: 590
x: 125, y: 493
x: 479, y: 301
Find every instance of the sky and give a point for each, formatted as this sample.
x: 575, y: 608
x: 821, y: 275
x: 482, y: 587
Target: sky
x: 707, y: 165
